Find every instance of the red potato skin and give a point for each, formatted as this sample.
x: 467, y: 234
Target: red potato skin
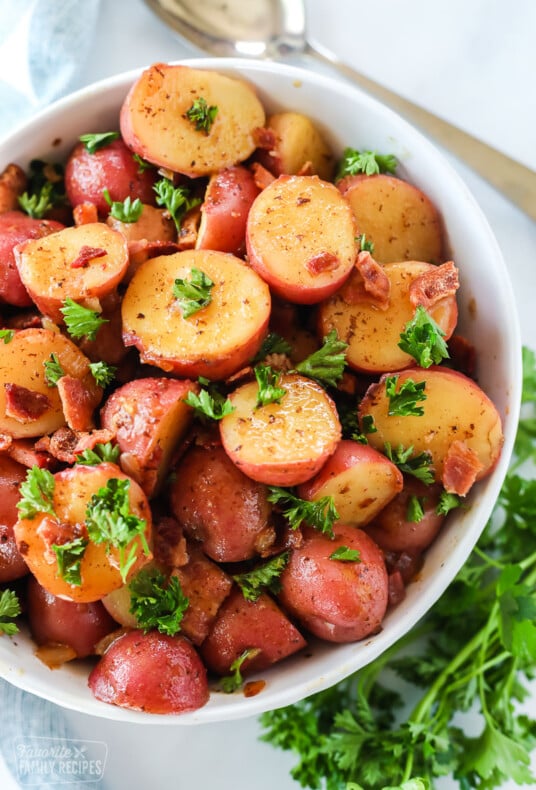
x: 54, y: 620
x: 336, y: 601
x: 16, y: 227
x: 242, y: 625
x: 228, y: 199
x: 12, y: 565
x: 219, y: 506
x: 151, y: 672
x: 393, y: 532
x: 111, y: 167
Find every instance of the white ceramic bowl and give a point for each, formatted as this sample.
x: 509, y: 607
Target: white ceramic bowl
x: 348, y: 118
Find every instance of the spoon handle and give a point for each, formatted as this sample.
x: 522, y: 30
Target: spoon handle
x: 514, y: 180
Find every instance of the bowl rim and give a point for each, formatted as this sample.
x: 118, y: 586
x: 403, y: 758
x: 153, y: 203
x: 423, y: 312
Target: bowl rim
x: 237, y: 706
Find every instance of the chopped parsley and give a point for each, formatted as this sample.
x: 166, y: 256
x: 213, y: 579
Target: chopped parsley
x: 415, y: 509
x: 193, y: 294
x: 368, y: 162
x: 404, y: 402
x: 234, y: 681
x: 263, y: 577
x: 37, y: 204
x: 157, y: 602
x: 81, y: 321
x: 320, y: 514
x: 272, y: 344
x: 420, y: 466
x: 9, y: 610
x: 7, y: 335
x: 202, y: 115
x: 69, y: 558
x: 210, y: 403
x: 344, y: 554
x: 176, y: 200
x: 94, y: 142
x: 326, y: 366
x: 103, y: 373
x: 127, y: 210
x: 53, y: 370
x: 364, y: 244
x: 448, y: 502
x: 423, y: 339
x: 268, y: 381
x: 36, y: 493
x: 101, y: 453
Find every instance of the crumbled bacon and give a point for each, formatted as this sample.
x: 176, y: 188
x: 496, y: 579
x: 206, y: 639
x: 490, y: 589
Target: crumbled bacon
x: 265, y: 138
x: 375, y: 281
x: 460, y: 469
x: 65, y: 444
x: 25, y: 405
x: 323, y: 262
x: 27, y: 453
x: 78, y: 402
x: 5, y: 442
x: 12, y: 184
x: 434, y: 285
x: 262, y: 177
x: 85, y: 213
x: 86, y: 255
x: 189, y: 229
x: 26, y: 320
x: 169, y: 542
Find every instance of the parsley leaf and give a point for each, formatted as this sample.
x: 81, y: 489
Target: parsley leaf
x: 232, y: 682
x: 110, y: 521
x: 36, y: 493
x: 69, y: 558
x: 53, y: 370
x: 176, y: 201
x: 93, y: 142
x: 193, y: 294
x: 423, y: 339
x: 201, y: 115
x: 143, y: 165
x: 269, y: 391
x: 127, y: 210
x: 101, y: 453
x: 7, y: 335
x: 368, y: 162
x: 272, y: 344
x: 209, y: 403
x: 447, y: 502
x: 415, y: 509
x: 81, y: 321
x: 103, y: 373
x: 364, y: 245
x: 37, y: 204
x: 265, y: 576
x: 157, y: 602
x: 327, y: 364
x: 320, y: 514
x: 344, y: 554
x: 9, y: 609
x: 420, y: 466
x: 404, y: 402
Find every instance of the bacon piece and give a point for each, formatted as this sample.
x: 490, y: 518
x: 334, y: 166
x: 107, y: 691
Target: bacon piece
x: 5, y: 442
x: 79, y: 402
x: 25, y: 452
x: 86, y: 255
x: 189, y: 228
x: 26, y: 320
x: 434, y: 285
x: 323, y: 262
x: 262, y: 177
x: 460, y: 469
x: 12, y: 184
x: 65, y: 444
x: 85, y: 213
x: 265, y: 138
x: 169, y: 543
x: 25, y: 405
x: 375, y: 281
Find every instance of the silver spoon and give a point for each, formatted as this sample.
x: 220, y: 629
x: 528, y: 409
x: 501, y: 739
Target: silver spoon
x: 275, y: 29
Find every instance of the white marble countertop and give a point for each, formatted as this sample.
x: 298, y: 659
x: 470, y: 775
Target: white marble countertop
x: 472, y: 63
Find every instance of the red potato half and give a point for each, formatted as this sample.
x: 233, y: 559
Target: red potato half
x: 12, y: 565
x: 154, y: 121
x: 99, y: 568
x: 148, y: 418
x: 360, y: 479
x: 151, y: 672
x: 219, y: 506
x: 111, y: 167
x: 297, y: 143
x: 224, y: 212
x: 373, y: 333
x: 243, y: 625
x: 55, y: 621
x: 399, y: 219
x: 214, y: 342
x: 84, y: 263
x: 456, y: 411
x: 15, y: 228
x: 336, y: 600
x: 22, y: 366
x: 284, y: 443
x: 301, y: 238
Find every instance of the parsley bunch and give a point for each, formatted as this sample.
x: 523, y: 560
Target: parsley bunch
x: 472, y: 652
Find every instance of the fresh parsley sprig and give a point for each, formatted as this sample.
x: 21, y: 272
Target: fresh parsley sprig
x: 320, y: 514
x: 419, y: 466
x: 364, y: 244
x: 448, y: 502
x: 345, y: 554
x: 7, y: 335
x: 36, y: 493
x: 103, y: 452
x: 272, y: 344
x: 403, y: 402
x: 53, y: 370
x: 69, y: 559
x: 326, y: 365
x: 38, y: 203
x: 109, y: 520
x: 103, y: 373
x: 81, y: 321
x: 370, y: 163
x: 9, y: 610
x: 193, y: 294
x: 176, y: 200
x: 202, y: 115
x: 234, y: 681
x: 93, y: 142
x: 126, y: 210
x: 268, y: 383
x: 415, y: 509
x: 157, y: 602
x: 210, y: 403
x: 264, y: 577
x: 423, y: 339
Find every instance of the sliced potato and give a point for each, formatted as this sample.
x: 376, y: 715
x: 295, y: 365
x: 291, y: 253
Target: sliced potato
x: 301, y: 238
x: 22, y: 365
x: 456, y: 411
x: 81, y: 263
x: 99, y: 566
x: 154, y: 121
x: 373, y: 333
x: 282, y: 443
x: 297, y: 143
x: 398, y: 218
x: 214, y: 342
